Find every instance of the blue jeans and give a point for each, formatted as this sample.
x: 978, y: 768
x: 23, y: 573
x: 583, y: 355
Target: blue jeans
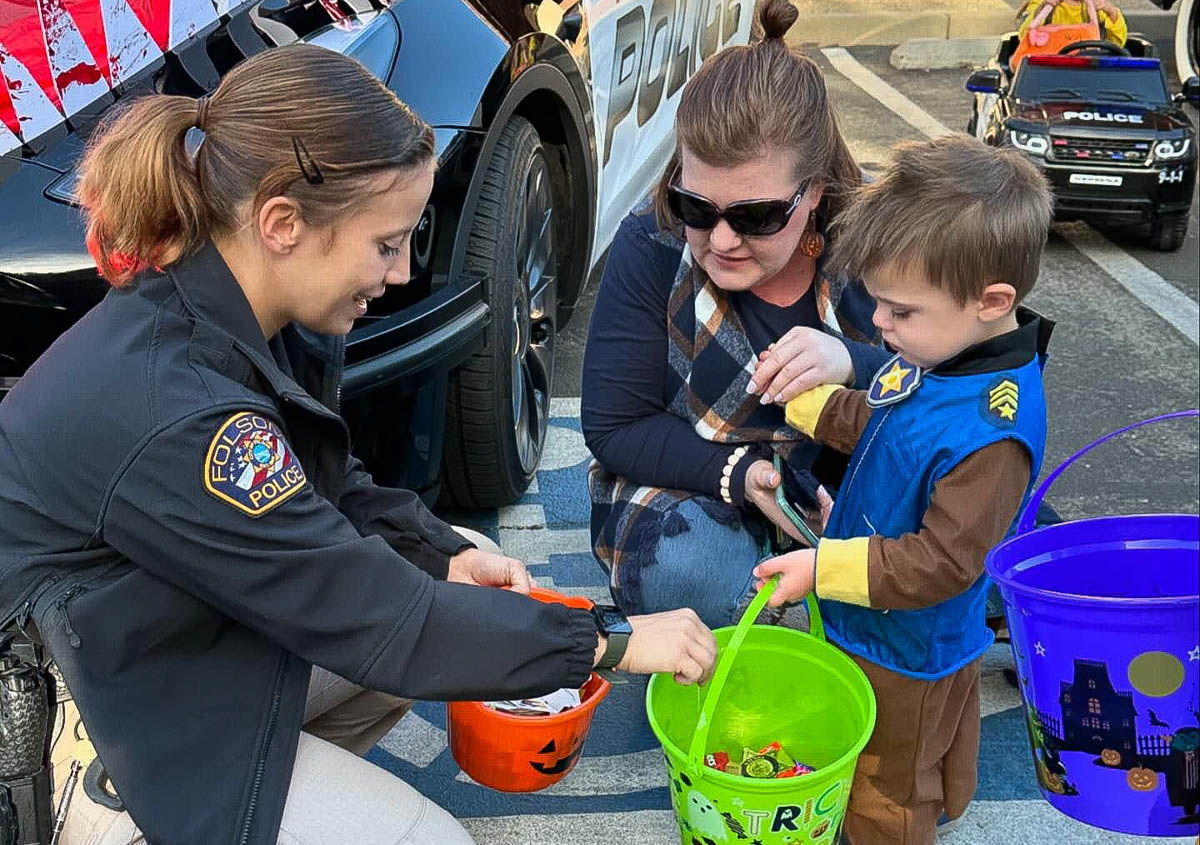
x: 706, y: 567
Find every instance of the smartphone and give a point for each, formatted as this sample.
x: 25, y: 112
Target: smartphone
x: 790, y: 512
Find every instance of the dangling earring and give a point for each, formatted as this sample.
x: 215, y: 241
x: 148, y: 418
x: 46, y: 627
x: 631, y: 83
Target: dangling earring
x: 812, y: 242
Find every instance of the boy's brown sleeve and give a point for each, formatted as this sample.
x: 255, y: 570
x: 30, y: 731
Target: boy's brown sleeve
x: 970, y: 511
x: 830, y: 414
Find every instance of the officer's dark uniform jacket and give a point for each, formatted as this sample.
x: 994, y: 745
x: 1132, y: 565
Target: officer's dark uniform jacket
x: 185, y: 624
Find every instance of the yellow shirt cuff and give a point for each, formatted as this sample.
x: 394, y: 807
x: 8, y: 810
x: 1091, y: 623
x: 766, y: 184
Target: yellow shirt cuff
x: 842, y: 570
x: 804, y: 411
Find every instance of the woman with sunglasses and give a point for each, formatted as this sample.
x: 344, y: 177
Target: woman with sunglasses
x: 714, y: 306
x: 235, y: 606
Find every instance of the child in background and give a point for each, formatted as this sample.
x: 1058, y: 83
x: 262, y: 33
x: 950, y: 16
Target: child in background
x: 946, y: 445
x: 1112, y: 22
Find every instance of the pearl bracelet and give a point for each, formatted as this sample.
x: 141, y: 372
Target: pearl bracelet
x: 727, y: 472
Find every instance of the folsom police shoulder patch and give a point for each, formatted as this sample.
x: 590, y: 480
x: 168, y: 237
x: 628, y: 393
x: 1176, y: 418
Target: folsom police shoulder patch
x: 998, y: 403
x: 250, y: 466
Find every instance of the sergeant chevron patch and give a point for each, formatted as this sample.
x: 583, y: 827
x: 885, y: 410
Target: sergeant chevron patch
x: 999, y: 403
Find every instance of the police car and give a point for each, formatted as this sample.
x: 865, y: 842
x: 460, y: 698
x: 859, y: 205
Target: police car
x: 552, y: 119
x: 1100, y: 121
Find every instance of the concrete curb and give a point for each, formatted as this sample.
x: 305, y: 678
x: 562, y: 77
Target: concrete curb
x: 893, y: 28
x: 943, y: 53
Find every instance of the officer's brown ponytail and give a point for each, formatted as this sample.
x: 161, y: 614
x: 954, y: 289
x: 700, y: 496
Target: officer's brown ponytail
x: 140, y: 191
x: 750, y: 98
x: 298, y: 121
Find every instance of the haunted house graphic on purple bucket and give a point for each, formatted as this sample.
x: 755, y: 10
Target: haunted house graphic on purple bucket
x: 1095, y: 715
x: 1097, y: 718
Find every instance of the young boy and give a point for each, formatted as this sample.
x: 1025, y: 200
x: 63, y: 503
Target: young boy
x: 946, y: 445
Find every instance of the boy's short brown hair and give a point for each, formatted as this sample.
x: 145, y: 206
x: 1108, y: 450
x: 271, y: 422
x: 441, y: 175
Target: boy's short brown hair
x: 963, y: 214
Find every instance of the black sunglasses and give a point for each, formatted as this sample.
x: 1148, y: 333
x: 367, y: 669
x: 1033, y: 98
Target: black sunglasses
x: 755, y: 218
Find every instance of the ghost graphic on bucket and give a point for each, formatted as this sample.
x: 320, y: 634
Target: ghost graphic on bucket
x: 704, y: 818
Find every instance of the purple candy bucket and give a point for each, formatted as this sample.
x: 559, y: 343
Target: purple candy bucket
x: 1105, y: 622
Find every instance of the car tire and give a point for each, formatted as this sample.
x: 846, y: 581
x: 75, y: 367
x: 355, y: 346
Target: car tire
x: 498, y: 402
x: 1169, y: 233
x: 1187, y: 41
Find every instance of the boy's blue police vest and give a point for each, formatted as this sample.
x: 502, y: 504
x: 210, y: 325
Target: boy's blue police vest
x: 932, y: 424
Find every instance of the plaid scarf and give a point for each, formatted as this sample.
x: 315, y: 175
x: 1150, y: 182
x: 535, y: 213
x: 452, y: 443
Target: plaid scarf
x: 710, y: 362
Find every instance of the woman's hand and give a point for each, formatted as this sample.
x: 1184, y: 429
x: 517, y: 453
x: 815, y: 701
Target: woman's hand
x: 799, y: 361
x: 675, y: 641
x: 484, y: 569
x: 761, y: 483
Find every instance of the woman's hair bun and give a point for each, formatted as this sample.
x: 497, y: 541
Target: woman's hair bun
x: 776, y: 17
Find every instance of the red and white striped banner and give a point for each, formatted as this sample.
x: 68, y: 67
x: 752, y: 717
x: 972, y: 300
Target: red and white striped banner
x: 59, y: 56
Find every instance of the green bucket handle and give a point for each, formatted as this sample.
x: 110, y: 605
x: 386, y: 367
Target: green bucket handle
x: 725, y: 664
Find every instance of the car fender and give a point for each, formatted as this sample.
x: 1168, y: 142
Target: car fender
x: 448, y: 56
x: 540, y: 80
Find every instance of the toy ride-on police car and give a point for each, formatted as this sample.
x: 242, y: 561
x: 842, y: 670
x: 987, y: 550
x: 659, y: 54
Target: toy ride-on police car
x: 1099, y: 120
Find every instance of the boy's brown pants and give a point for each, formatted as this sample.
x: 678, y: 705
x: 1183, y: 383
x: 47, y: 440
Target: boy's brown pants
x: 921, y: 759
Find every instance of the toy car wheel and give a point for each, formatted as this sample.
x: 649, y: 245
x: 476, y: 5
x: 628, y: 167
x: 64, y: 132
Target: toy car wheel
x: 498, y: 404
x: 1169, y: 233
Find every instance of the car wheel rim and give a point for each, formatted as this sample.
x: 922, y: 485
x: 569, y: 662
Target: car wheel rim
x: 533, y: 317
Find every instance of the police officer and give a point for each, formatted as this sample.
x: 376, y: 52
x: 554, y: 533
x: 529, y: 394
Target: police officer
x: 180, y: 517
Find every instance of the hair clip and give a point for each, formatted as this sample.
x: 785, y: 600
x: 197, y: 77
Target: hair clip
x: 308, y: 166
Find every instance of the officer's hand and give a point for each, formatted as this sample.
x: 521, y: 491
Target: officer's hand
x: 484, y: 569
x: 675, y: 641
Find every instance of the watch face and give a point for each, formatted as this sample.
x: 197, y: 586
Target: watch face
x: 612, y: 620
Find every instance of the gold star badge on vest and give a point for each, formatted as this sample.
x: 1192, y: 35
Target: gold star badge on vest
x: 896, y: 380
x: 999, y: 402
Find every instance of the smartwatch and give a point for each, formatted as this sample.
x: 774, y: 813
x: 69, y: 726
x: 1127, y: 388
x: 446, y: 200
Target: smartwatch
x: 611, y: 622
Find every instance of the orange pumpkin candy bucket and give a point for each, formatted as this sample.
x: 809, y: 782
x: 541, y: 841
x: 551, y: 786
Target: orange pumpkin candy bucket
x: 513, y: 753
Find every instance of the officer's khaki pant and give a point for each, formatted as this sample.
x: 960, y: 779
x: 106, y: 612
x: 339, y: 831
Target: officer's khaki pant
x: 335, y: 796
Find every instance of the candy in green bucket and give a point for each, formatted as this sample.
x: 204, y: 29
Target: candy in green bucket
x: 770, y: 684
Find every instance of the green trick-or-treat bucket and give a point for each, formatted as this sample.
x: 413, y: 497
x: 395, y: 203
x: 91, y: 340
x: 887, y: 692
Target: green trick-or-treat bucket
x: 771, y: 684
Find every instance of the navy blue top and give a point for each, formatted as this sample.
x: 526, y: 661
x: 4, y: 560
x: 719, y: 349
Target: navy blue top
x: 624, y: 408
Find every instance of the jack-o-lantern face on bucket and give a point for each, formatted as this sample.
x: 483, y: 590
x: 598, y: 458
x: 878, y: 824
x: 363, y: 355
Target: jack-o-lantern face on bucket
x: 553, y: 764
x: 1141, y: 779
